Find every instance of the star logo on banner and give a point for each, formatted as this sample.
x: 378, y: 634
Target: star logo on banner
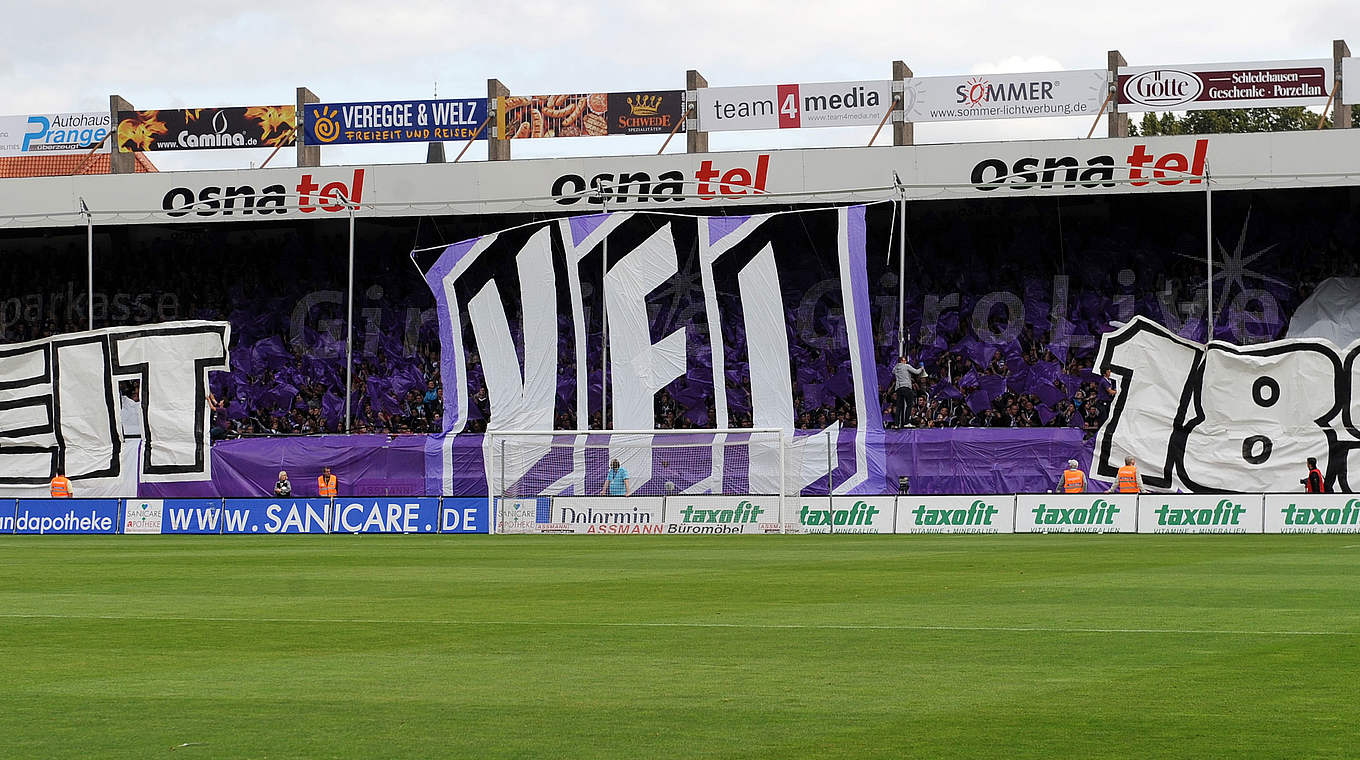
x: 1235, y: 267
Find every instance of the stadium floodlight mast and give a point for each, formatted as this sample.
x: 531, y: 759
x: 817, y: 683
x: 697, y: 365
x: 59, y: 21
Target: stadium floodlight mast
x: 1209, y: 254
x: 349, y: 316
x: 89, y: 259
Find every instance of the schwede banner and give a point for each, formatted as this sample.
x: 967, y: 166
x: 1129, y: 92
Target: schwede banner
x: 955, y: 514
x: 844, y: 514
x: 590, y: 114
x: 49, y: 133
x: 394, y: 121
x: 1312, y: 513
x: 1204, y: 513
x: 1076, y: 513
x: 608, y: 514
x: 791, y: 106
x: 1260, y: 84
x: 1005, y: 96
x: 203, y: 128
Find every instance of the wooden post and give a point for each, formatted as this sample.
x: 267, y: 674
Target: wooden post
x: 497, y: 145
x: 904, y: 132
x: 695, y: 141
x: 119, y: 162
x: 1341, y: 116
x: 307, y: 155
x: 1119, y: 122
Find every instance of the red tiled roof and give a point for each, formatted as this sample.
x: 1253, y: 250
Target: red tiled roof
x: 63, y: 165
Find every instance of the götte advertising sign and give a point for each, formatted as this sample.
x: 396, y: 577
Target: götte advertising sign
x: 1262, y: 84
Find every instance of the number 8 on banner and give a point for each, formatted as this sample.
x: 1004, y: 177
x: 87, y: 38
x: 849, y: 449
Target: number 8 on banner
x: 789, y: 117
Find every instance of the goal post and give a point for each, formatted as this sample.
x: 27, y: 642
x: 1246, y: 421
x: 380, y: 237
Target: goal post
x: 525, y: 469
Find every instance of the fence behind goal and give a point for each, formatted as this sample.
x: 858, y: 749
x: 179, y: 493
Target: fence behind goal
x: 524, y: 464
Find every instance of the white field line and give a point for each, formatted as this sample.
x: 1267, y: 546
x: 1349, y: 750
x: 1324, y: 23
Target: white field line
x: 612, y: 624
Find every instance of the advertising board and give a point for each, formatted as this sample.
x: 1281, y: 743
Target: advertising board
x: 1076, y: 513
x: 7, y: 510
x: 385, y: 515
x: 1312, y: 513
x: 275, y: 515
x: 1197, y: 86
x: 1203, y: 513
x: 843, y: 514
x: 722, y: 514
x: 793, y: 106
x: 54, y: 133
x: 66, y: 516
x: 1005, y: 96
x: 394, y: 121
x: 205, y: 128
x: 142, y: 516
x: 955, y: 514
x: 595, y: 114
x: 464, y: 515
x: 191, y: 516
x: 614, y: 515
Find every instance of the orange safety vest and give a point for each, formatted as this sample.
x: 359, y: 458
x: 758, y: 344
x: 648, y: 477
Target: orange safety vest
x: 1128, y: 479
x: 324, y: 488
x: 61, y: 487
x: 1073, y: 481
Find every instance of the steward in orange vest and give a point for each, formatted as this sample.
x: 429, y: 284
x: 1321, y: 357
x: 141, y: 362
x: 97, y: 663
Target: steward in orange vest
x: 1128, y: 480
x: 326, y: 484
x: 1073, y: 480
x: 61, y: 486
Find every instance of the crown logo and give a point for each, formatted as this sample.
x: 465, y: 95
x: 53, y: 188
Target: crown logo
x: 644, y: 105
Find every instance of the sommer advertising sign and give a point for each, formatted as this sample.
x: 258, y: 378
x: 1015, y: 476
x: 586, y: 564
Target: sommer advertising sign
x: 49, y: 133
x: 394, y: 121
x: 792, y: 106
x: 1005, y: 96
x: 590, y: 114
x: 1261, y: 84
x: 205, y: 128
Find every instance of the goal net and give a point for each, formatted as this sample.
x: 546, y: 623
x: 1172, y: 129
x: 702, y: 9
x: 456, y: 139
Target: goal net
x: 529, y: 471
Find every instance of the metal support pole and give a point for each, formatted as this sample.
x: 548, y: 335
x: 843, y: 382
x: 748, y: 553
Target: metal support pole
x: 902, y: 279
x: 89, y: 261
x: 349, y: 323
x: 604, y: 327
x: 783, y: 485
x: 1209, y: 252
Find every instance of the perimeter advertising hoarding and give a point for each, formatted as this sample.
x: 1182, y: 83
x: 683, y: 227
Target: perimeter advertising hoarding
x: 1312, y: 513
x: 1350, y: 72
x: 722, y: 514
x: 1076, y: 513
x: 608, y: 514
x: 1206, y: 513
x: 1316, y: 158
x: 66, y: 516
x: 394, y: 121
x: 1005, y: 96
x: 792, y: 106
x: 191, y: 516
x: 385, y: 515
x: 1199, y: 86
x: 7, y: 509
x: 844, y: 514
x: 206, y: 128
x: 143, y: 516
x: 53, y: 133
x: 595, y: 114
x: 955, y: 514
x: 275, y: 515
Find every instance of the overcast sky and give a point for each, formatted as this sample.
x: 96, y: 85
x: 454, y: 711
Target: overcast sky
x: 70, y: 56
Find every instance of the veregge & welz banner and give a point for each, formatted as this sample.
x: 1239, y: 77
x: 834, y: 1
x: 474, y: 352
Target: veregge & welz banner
x: 203, y: 128
x: 1005, y: 96
x: 1262, y: 84
x: 394, y: 121
x: 590, y: 114
x: 49, y: 133
x: 792, y: 106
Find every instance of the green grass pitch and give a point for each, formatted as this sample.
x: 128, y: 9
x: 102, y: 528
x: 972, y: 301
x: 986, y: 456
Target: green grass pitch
x: 679, y: 647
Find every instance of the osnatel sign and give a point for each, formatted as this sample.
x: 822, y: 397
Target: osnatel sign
x: 1262, y: 84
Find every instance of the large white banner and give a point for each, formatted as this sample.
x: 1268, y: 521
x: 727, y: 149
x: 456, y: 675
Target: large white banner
x: 48, y: 133
x: 1200, y: 513
x: 955, y: 514
x: 1005, y: 96
x: 1227, y: 418
x: 1076, y: 513
x: 59, y: 408
x: 1312, y: 513
x: 791, y: 106
x: 1197, y: 86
